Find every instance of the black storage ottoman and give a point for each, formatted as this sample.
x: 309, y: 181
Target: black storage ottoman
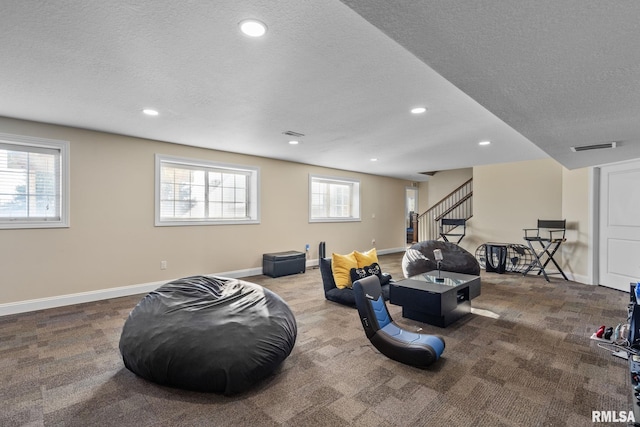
x: 283, y: 263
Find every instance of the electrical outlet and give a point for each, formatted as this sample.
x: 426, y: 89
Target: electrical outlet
x: 163, y: 265
x: 373, y: 241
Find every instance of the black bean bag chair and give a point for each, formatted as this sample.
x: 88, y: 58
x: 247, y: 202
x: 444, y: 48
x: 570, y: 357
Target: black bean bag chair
x: 344, y: 296
x: 208, y: 334
x: 419, y: 259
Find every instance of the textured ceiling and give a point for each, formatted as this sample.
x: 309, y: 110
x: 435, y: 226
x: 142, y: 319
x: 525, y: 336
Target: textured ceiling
x: 345, y: 74
x: 562, y: 73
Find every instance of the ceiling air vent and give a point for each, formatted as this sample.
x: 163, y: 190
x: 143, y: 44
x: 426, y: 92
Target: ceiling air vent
x: 600, y: 146
x: 292, y: 133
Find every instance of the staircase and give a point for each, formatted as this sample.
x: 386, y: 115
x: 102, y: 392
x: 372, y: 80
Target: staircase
x: 457, y: 204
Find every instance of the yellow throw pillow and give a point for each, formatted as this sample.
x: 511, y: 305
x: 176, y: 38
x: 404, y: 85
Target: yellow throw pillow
x: 367, y: 258
x: 341, y: 266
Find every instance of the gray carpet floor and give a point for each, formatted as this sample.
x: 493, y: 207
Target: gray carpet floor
x: 524, y: 357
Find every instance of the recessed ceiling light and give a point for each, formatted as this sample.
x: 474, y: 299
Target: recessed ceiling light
x: 374, y: 160
x: 294, y: 142
x: 418, y: 110
x: 150, y: 112
x: 484, y: 142
x: 253, y: 27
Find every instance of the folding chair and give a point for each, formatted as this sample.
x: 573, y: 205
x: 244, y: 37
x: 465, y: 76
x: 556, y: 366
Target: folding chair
x: 449, y: 228
x: 549, y: 244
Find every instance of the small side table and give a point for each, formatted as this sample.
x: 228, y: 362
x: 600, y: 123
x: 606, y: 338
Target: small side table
x: 426, y: 300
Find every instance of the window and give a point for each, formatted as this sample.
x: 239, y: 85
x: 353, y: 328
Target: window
x: 333, y: 199
x: 192, y: 192
x: 34, y: 182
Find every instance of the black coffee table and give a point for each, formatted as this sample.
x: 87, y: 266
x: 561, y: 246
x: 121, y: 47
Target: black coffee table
x: 426, y: 300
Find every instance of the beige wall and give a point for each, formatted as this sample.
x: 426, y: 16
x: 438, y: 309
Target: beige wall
x: 112, y: 240
x: 510, y: 197
x: 575, y: 208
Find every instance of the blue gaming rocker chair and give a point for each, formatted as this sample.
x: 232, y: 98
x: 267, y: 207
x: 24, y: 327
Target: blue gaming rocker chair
x: 411, y: 348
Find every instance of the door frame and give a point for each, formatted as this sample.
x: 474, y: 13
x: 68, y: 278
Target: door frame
x: 593, y: 251
x: 594, y: 219
x: 416, y: 190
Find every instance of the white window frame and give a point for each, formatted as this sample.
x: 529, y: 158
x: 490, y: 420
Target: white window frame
x: 253, y: 196
x: 62, y: 186
x: 354, y: 198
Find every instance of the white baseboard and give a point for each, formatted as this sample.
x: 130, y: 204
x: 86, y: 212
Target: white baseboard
x: 79, y: 298
x: 236, y: 274
x: 123, y: 291
x: 577, y: 278
x: 391, y: 251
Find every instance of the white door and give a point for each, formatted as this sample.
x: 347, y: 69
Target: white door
x: 619, y: 225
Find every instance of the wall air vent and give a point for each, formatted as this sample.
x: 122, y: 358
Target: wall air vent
x: 600, y: 146
x: 292, y: 133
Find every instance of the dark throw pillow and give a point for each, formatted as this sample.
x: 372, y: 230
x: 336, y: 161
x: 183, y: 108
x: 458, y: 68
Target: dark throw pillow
x: 369, y: 270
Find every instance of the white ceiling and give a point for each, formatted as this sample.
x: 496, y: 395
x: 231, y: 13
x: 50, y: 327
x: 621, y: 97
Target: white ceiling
x: 532, y: 77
